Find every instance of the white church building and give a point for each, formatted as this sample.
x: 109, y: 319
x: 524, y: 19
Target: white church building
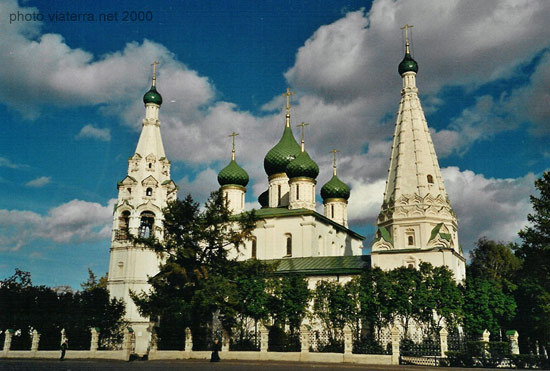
x: 416, y: 222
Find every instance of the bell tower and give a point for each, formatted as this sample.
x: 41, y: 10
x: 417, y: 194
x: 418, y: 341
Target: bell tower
x: 416, y: 223
x: 142, y: 195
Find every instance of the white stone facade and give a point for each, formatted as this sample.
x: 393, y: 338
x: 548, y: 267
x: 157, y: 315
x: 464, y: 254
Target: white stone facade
x: 234, y: 195
x: 302, y: 193
x: 336, y: 209
x: 298, y: 236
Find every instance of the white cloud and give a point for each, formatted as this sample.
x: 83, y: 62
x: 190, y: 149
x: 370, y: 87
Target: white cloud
x: 90, y: 131
x: 495, y: 208
x: 39, y: 182
x: 6, y: 162
x: 72, y: 222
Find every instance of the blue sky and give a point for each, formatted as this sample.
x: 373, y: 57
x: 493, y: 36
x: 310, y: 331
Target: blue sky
x: 71, y: 107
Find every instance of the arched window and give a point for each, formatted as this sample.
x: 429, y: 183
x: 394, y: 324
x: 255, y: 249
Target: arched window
x: 279, y: 195
x: 150, y: 165
x: 146, y: 224
x: 430, y: 179
x: 254, y: 248
x: 149, y: 192
x: 288, y: 245
x: 332, y: 211
x: 411, y: 240
x: 297, y: 191
x: 123, y: 223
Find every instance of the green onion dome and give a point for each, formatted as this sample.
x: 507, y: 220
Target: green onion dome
x: 335, y: 188
x: 263, y: 199
x: 152, y: 96
x: 280, y: 156
x: 408, y: 64
x: 302, y: 166
x: 233, y: 174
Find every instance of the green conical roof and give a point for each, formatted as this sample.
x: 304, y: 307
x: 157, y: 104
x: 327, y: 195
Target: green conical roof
x: 280, y: 156
x: 408, y: 64
x: 233, y: 174
x: 335, y: 188
x: 263, y: 199
x: 152, y: 96
x: 302, y: 166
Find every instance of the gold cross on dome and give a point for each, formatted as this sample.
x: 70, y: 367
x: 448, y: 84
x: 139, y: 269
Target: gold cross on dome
x: 406, y: 28
x: 233, y: 134
x: 288, y: 94
x: 334, y: 151
x: 303, y: 126
x: 154, y: 72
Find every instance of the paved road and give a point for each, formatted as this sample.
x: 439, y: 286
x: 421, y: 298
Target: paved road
x: 191, y: 365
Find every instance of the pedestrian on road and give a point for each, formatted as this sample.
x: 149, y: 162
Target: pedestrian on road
x: 215, y: 357
x: 64, y: 348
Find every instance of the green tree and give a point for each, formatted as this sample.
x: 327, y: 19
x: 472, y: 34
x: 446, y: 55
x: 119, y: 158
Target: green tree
x: 440, y: 295
x: 376, y: 310
x: 533, y: 294
x: 486, y: 306
x: 331, y: 304
x: 288, y: 300
x: 406, y: 295
x: 197, y: 276
x: 496, y: 262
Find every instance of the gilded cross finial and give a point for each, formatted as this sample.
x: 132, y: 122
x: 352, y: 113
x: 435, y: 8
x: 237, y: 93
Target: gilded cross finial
x: 406, y: 28
x: 334, y: 151
x: 303, y: 126
x: 288, y: 94
x: 155, y: 72
x: 233, y: 134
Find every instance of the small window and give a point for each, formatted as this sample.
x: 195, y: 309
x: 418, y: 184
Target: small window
x: 297, y: 191
x: 411, y: 241
x: 150, y: 165
x: 129, y: 190
x: 430, y: 179
x: 411, y: 265
x: 288, y: 245
x: 279, y: 194
x: 149, y: 192
x: 254, y: 248
x: 332, y: 211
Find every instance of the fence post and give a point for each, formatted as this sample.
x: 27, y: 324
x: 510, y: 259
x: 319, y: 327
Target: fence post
x: 443, y: 333
x: 304, y: 339
x: 188, y: 340
x: 94, y: 343
x: 395, y: 345
x: 7, y: 341
x: 63, y: 336
x: 485, y: 338
x: 35, y: 341
x: 513, y: 338
x: 348, y: 341
x: 264, y: 338
x: 225, y: 341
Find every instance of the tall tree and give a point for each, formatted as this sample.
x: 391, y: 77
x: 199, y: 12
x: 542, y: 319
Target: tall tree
x: 441, y: 302
x: 496, y: 262
x: 533, y: 294
x: 486, y: 306
x: 199, y: 251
